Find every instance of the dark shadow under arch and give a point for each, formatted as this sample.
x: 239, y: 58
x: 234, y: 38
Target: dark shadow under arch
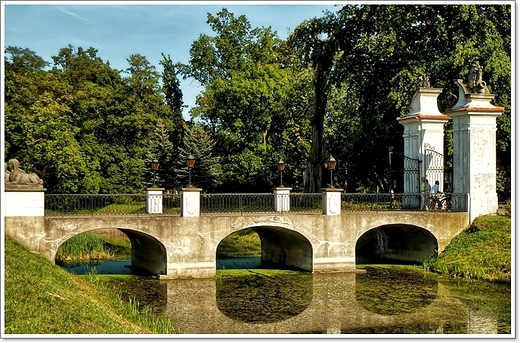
x: 282, y: 248
x: 148, y: 253
x: 395, y: 244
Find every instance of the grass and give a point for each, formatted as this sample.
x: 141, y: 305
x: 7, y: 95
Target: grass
x: 42, y: 298
x: 240, y: 244
x: 84, y: 247
x: 482, y: 251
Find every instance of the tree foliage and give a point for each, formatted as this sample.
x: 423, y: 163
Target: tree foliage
x: 335, y: 86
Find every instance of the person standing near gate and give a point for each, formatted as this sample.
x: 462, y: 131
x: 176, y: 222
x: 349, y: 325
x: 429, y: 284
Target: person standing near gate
x: 424, y: 192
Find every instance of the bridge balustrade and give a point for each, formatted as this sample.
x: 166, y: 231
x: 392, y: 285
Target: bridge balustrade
x: 106, y: 204
x: 135, y: 204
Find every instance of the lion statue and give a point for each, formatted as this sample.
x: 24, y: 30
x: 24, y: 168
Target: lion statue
x: 19, y: 176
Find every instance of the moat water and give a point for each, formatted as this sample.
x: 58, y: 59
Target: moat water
x: 371, y: 301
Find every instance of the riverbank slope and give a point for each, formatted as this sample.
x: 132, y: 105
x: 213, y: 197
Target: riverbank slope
x: 42, y: 298
x: 482, y: 251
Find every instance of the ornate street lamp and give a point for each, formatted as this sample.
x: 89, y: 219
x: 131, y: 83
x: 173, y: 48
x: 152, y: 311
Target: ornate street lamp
x: 331, y: 164
x: 190, y: 161
x: 155, y: 167
x: 281, y: 167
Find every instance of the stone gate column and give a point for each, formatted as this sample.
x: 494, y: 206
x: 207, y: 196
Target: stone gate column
x: 474, y: 145
x: 423, y: 129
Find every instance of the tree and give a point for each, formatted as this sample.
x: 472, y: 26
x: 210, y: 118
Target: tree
x: 248, y: 100
x: 173, y: 96
x: 378, y: 53
x: 206, y: 172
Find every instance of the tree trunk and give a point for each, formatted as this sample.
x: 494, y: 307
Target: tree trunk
x: 314, y: 169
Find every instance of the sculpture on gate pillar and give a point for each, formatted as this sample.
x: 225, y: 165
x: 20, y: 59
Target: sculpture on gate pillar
x: 475, y: 83
x: 475, y: 93
x: 15, y: 177
x: 424, y: 81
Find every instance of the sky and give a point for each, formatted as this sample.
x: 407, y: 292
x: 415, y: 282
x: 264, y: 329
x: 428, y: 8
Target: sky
x: 118, y: 29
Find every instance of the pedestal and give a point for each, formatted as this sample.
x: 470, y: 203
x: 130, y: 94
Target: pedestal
x: 282, y: 200
x: 190, y: 204
x: 24, y: 202
x: 154, y: 200
x: 331, y: 201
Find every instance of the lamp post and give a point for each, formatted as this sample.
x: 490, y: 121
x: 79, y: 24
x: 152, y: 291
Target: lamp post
x: 281, y: 167
x: 190, y: 161
x: 331, y: 164
x: 390, y: 149
x: 155, y: 167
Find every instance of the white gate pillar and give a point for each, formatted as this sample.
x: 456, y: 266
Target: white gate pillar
x: 474, y: 144
x: 423, y: 129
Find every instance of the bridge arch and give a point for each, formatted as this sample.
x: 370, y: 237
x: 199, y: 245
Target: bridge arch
x: 395, y: 242
x: 148, y: 253
x: 282, y: 247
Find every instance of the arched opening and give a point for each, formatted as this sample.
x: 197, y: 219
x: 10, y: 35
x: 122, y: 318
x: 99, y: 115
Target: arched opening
x: 395, y: 244
x: 265, y: 247
x: 112, y: 251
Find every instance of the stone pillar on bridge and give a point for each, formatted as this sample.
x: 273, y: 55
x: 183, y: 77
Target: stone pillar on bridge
x: 423, y: 129
x: 24, y: 195
x: 474, y: 145
x: 282, y: 200
x: 20, y: 202
x: 154, y: 200
x: 190, y: 203
x: 331, y: 201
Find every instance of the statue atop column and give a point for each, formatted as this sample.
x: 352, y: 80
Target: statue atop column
x: 475, y: 83
x: 15, y: 177
x: 475, y: 93
x: 424, y: 81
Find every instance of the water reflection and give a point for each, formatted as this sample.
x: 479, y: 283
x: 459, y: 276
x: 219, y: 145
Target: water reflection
x: 262, y: 298
x: 378, y: 302
x: 391, y: 292
x: 102, y: 267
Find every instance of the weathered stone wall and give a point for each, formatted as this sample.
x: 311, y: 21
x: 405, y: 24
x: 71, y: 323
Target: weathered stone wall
x: 175, y: 246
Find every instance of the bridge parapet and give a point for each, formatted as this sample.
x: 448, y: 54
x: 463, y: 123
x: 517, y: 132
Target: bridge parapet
x: 243, y: 203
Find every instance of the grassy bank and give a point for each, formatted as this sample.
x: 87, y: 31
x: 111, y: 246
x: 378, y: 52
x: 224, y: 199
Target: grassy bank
x: 89, y: 246
x: 41, y: 298
x: 482, y: 251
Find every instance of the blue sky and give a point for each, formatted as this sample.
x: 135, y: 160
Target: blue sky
x: 120, y: 29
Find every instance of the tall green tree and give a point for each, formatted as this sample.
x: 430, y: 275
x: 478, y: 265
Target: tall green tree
x: 380, y: 52
x: 249, y: 100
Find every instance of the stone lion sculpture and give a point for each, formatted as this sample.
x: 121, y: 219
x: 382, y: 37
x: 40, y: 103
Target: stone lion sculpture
x: 18, y: 176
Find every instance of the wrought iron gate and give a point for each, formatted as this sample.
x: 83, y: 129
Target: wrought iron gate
x: 434, y: 164
x: 405, y: 176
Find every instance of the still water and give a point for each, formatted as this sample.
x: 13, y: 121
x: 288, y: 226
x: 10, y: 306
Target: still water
x: 372, y: 301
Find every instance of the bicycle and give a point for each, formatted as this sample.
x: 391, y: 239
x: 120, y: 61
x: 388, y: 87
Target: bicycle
x: 439, y: 202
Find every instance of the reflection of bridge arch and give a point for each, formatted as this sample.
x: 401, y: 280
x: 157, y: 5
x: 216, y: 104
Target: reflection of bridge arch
x: 148, y: 253
x: 402, y: 242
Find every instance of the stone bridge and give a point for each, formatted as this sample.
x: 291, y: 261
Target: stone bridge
x: 178, y: 246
